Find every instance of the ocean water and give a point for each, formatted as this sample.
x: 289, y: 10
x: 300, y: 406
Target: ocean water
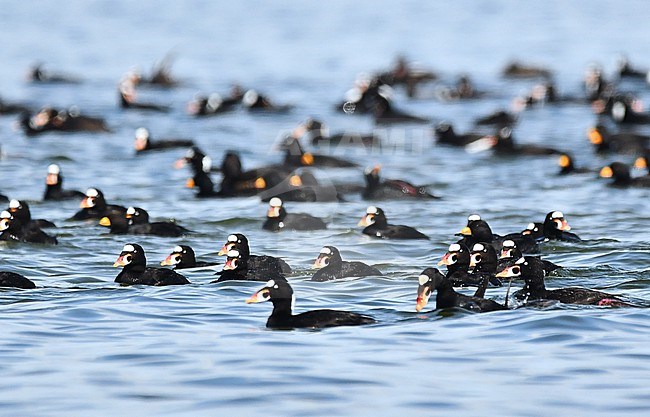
x: 80, y: 344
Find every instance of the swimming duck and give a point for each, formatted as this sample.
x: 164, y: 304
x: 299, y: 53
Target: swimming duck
x: 619, y: 172
x: 54, y: 186
x: 331, y: 266
x: 295, y: 156
x: 510, y: 253
x: 14, y: 280
x: 376, y: 225
x: 127, y: 97
x: 66, y: 120
x: 531, y: 270
x: 239, y: 242
x: 557, y: 228
x: 12, y: 230
x: 567, y: 166
x: 237, y: 268
x: 278, y: 219
x: 457, y: 261
x: 483, y: 261
x: 376, y: 189
x: 20, y: 210
x: 517, y: 69
x: 624, y: 142
x: 143, y: 142
x: 37, y: 74
x: 182, y: 257
x: 135, y: 272
x: 94, y: 206
x: 280, y: 293
x: 433, y: 280
x: 254, y: 101
x: 446, y: 135
x: 215, y: 104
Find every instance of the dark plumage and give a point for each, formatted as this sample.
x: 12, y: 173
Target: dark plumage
x: 478, y: 230
x: 144, y: 143
x: 182, y: 257
x: 254, y: 101
x: 446, y: 135
x: 432, y: 280
x: 483, y: 260
x: 378, y: 189
x: 623, y: 142
x: 236, y: 268
x: 11, y: 229
x: 557, y: 228
x: 510, y: 253
x: 66, y: 120
x: 531, y: 270
x: 568, y: 167
x: 332, y: 266
x: 295, y: 156
x: 280, y: 293
x: 376, y: 225
x: 14, y: 280
x: 139, y: 224
x: 239, y: 242
x: 619, y: 173
x: 54, y: 186
x: 278, y: 219
x: 457, y: 260
x: 135, y: 271
x: 20, y: 210
x: 94, y: 206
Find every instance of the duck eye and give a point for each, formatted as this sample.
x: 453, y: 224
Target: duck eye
x: 516, y: 270
x: 266, y: 294
x: 128, y: 258
x: 558, y: 223
x: 177, y: 259
x: 235, y: 263
x: 326, y: 260
x: 453, y: 258
x: 477, y: 258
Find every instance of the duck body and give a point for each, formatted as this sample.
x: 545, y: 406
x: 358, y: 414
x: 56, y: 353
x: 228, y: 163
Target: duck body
x: 376, y: 225
x: 332, y: 266
x: 135, y: 272
x: 14, y: 280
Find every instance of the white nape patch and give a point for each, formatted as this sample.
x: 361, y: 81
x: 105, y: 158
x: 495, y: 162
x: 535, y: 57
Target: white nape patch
x: 92, y: 192
x: 478, y: 247
x: 214, y: 101
x: 473, y: 218
x: 232, y: 238
x: 275, y: 202
x: 233, y: 253
x: 5, y: 215
x: 618, y: 111
x: 250, y: 97
x: 423, y: 279
x: 14, y: 204
x: 128, y: 248
x: 508, y: 244
x: 130, y: 211
x: 53, y: 169
x: 557, y: 215
x: 520, y: 260
x: 372, y: 210
x: 141, y: 133
x: 190, y: 153
x: 270, y: 284
x: 206, y: 164
x: 326, y: 251
x: 177, y: 249
x: 454, y: 247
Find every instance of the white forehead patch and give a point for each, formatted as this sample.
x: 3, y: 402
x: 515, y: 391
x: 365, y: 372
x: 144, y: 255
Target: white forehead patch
x: 250, y: 97
x: 474, y: 218
x: 531, y: 226
x: 557, y: 215
x: 508, y: 244
x: 618, y: 111
x: 270, y: 284
x: 141, y: 133
x: 206, y: 164
x: 454, y: 247
x: 53, y: 169
x: 233, y: 253
x: 130, y: 210
x: 478, y: 247
x: 275, y: 202
x: 190, y: 153
x: 326, y: 251
x: 372, y: 210
x: 177, y: 249
x: 128, y: 248
x: 520, y: 260
x: 92, y: 192
x: 423, y: 279
x: 14, y: 204
x: 5, y: 215
x: 232, y: 238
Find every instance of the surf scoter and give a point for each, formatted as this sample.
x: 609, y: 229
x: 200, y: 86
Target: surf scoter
x: 376, y: 224
x: 20, y: 210
x: 14, y: 280
x: 236, y: 268
x: 568, y: 167
x: 517, y: 69
x: 94, y: 206
x: 139, y: 224
x: 66, y: 120
x: 478, y: 230
x: 254, y: 101
x: 531, y: 270
x: 239, y: 242
x: 433, y: 280
x: 127, y: 97
x: 278, y: 219
x: 510, y: 253
x: 376, y: 189
x: 483, y: 261
x: 446, y: 135
x: 502, y: 143
x: 295, y: 156
x: 319, y: 136
x: 135, y: 272
x: 402, y: 73
x: 280, y: 293
x: 11, y: 229
x: 182, y: 256
x: 215, y: 104
x: 143, y: 142
x: 623, y: 111
x: 54, y: 186
x: 557, y: 228
x: 624, y: 142
x: 457, y: 260
x: 500, y: 118
x: 37, y: 74
x: 201, y: 166
x: 332, y: 266
x: 619, y: 172
x: 385, y: 113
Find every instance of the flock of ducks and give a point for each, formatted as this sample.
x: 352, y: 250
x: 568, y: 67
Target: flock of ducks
x: 480, y: 259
